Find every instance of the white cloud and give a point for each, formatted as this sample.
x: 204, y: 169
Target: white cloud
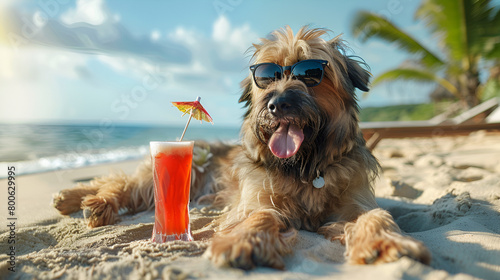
x: 221, y: 53
x: 187, y: 61
x: 135, y: 68
x: 221, y: 29
x: 155, y: 35
x: 182, y: 35
x: 39, y: 19
x: 87, y: 11
x: 33, y: 80
x: 110, y: 37
x: 6, y: 3
x: 39, y: 63
x: 233, y: 41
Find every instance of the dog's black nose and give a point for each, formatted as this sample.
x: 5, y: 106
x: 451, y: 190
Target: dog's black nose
x: 278, y: 105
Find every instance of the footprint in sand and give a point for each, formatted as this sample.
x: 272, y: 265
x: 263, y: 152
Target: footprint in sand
x: 471, y: 174
x: 443, y: 211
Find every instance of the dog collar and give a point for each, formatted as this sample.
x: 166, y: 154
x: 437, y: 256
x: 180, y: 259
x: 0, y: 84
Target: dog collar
x: 319, y: 182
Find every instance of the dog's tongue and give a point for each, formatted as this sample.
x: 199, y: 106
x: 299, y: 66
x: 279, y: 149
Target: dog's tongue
x: 286, y: 140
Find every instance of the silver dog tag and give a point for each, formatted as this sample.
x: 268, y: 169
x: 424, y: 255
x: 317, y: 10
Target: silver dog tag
x: 319, y: 182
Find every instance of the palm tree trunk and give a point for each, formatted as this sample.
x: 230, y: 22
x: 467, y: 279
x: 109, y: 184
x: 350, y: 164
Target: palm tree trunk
x: 469, y: 88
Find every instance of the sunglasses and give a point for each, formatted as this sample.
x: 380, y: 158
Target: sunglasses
x: 309, y: 71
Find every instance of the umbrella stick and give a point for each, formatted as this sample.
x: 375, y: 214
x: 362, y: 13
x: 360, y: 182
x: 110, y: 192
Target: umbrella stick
x: 187, y: 124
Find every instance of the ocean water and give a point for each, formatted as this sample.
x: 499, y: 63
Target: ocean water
x: 40, y: 148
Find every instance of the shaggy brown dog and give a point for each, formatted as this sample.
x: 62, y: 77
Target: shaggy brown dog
x: 293, y: 137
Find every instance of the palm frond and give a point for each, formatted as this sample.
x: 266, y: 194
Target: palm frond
x: 367, y: 25
x: 492, y: 45
x: 463, y: 27
x: 416, y: 75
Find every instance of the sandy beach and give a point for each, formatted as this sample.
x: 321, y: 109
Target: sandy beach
x: 443, y: 191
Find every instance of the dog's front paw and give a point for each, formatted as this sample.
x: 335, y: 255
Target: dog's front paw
x: 99, y: 211
x: 66, y: 202
x: 387, y: 247
x: 249, y: 250
x: 333, y: 231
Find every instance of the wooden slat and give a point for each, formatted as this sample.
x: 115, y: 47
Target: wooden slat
x: 422, y: 131
x: 467, y: 122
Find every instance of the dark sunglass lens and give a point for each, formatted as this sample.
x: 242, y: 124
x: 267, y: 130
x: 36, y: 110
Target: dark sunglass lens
x: 309, y: 72
x: 266, y: 73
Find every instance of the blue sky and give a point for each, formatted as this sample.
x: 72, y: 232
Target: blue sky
x: 123, y: 62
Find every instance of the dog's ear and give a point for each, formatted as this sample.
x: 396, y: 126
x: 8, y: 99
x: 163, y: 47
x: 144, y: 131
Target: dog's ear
x: 246, y: 85
x: 246, y: 96
x: 360, y: 77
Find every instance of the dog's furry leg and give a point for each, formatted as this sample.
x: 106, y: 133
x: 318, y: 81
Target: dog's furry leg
x: 118, y: 191
x: 70, y: 200
x: 375, y: 238
x: 258, y: 240
x: 104, y: 196
x: 102, y: 208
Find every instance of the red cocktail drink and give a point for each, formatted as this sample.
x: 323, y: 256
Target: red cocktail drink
x: 171, y: 162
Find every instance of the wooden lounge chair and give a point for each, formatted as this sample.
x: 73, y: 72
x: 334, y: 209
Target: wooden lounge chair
x: 471, y: 120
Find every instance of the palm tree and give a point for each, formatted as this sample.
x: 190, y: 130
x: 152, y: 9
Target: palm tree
x: 468, y: 32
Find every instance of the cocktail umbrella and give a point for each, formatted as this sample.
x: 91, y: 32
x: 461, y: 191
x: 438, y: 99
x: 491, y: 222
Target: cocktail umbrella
x: 195, y: 110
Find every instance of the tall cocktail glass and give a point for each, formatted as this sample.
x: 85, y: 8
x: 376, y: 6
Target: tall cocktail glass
x: 171, y: 164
